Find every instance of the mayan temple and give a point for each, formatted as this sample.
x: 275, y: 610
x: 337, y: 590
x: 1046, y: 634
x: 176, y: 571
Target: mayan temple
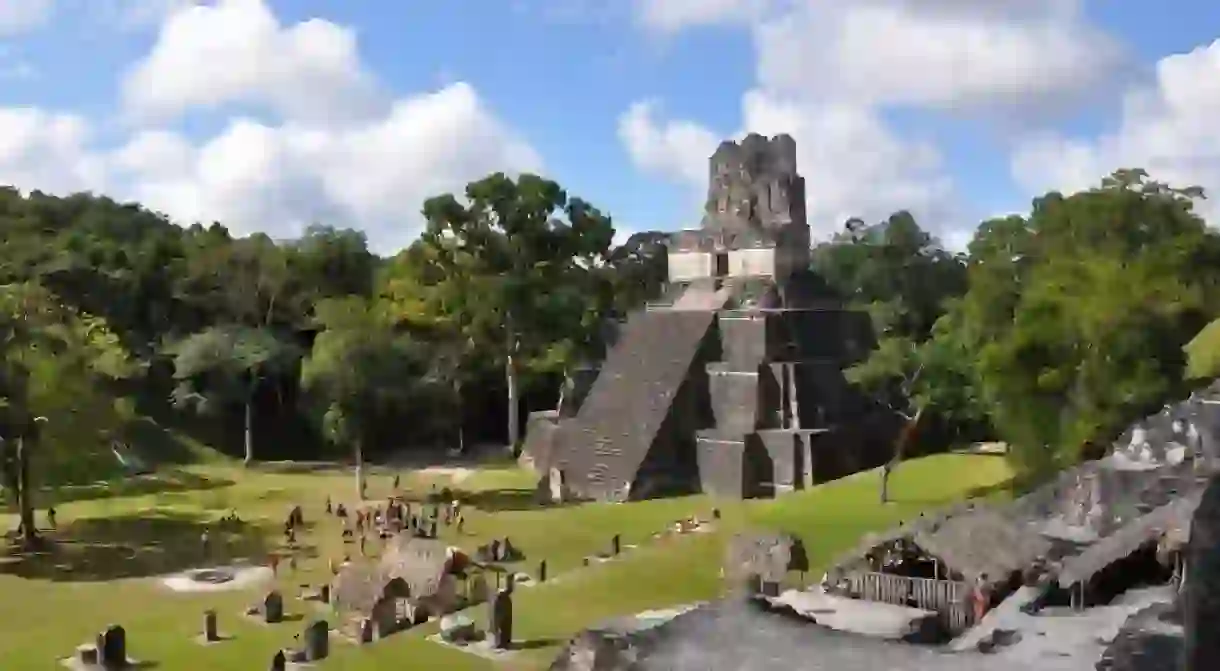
x: 731, y: 382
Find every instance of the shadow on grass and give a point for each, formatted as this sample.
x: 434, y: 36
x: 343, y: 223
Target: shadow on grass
x: 135, y: 546
x: 165, y: 482
x: 500, y: 500
x: 534, y: 644
x: 155, y: 443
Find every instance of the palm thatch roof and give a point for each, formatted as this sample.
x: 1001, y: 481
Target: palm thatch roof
x: 357, y: 586
x: 855, y: 559
x: 420, y: 562
x: 982, y: 542
x: 414, y: 568
x: 1170, y: 519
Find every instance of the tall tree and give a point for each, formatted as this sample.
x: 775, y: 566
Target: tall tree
x: 223, y: 366
x: 55, y: 366
x: 905, y: 280
x: 525, y: 255
x: 1076, y: 315
x: 360, y: 369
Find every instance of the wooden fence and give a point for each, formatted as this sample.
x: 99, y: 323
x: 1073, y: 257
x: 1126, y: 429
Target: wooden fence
x: 946, y: 597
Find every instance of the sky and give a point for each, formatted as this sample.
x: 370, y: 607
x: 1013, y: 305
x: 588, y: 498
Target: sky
x: 270, y: 115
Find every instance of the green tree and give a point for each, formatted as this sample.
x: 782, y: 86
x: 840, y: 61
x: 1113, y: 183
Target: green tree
x: 360, y: 369
x: 905, y: 280
x: 55, y: 368
x: 1076, y: 316
x: 523, y: 257
x: 223, y: 366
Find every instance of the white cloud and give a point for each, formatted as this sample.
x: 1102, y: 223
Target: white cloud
x: 366, y: 171
x: 943, y: 53
x: 236, y: 52
x: 946, y: 53
x: 47, y: 151
x: 1167, y: 128
x: 674, y: 148
x: 19, y: 16
x: 853, y: 166
x: 280, y: 179
x: 827, y: 71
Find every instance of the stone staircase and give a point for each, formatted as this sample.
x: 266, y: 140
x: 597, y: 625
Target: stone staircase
x: 602, y: 447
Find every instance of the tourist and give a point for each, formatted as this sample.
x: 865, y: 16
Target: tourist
x: 51, y: 517
x: 205, y: 541
x: 396, y: 482
x: 273, y: 560
x: 341, y: 512
x: 979, y: 598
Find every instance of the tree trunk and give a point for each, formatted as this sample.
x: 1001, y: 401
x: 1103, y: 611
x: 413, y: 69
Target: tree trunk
x: 514, y: 401
x: 249, y: 429
x: 904, y: 438
x: 461, y: 416
x: 8, y: 470
x: 360, y: 478
x: 25, y: 497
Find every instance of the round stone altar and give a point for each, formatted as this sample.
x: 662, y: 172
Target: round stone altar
x: 217, y: 578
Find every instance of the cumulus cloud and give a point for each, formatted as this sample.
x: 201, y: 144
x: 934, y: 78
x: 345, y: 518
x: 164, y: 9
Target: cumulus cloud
x: 48, y: 151
x: 826, y: 72
x: 853, y: 166
x: 1167, y: 128
x: 282, y: 178
x: 947, y: 54
x: 369, y: 171
x: 236, y: 51
x: 676, y: 149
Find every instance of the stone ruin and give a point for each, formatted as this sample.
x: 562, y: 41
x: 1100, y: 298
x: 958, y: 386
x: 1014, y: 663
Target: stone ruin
x: 108, y: 652
x: 1201, y: 594
x: 759, y: 562
x: 410, y: 583
x: 269, y: 610
x: 731, y: 382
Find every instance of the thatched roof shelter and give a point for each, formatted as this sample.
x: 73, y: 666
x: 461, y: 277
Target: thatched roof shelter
x: 856, y: 558
x: 357, y: 586
x: 421, y: 563
x: 1172, y: 520
x: 411, y: 568
x: 980, y: 543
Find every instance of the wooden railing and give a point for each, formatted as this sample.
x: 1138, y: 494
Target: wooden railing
x: 946, y: 597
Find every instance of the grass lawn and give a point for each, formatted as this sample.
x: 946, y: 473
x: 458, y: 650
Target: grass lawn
x: 113, y: 540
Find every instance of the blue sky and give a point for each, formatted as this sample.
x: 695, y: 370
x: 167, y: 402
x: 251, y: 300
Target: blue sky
x: 1043, y: 102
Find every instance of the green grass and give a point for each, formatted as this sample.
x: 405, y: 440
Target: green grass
x: 112, y: 544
